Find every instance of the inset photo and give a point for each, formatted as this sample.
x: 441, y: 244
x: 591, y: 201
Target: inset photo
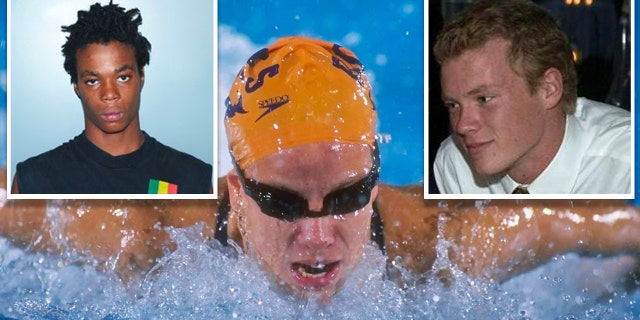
x: 530, y: 99
x: 110, y: 99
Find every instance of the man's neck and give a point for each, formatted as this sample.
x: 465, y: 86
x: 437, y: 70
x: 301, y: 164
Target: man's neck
x: 116, y: 144
x: 528, y: 168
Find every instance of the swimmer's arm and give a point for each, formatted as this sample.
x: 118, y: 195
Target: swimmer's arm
x: 22, y: 221
x: 185, y: 213
x: 125, y: 236
x: 505, y: 237
x: 604, y: 227
x: 409, y: 226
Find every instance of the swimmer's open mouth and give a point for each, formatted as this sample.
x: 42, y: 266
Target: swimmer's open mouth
x: 317, y: 271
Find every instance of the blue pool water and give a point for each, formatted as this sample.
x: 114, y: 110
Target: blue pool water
x: 386, y: 36
x: 203, y: 280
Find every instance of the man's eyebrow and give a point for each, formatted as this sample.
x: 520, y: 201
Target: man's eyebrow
x: 92, y: 73
x: 89, y: 73
x: 125, y: 67
x: 479, y: 89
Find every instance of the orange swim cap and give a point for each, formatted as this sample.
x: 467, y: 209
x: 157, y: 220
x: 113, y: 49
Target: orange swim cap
x: 298, y: 91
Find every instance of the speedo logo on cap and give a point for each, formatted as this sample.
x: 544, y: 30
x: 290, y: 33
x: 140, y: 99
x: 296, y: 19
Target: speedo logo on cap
x: 271, y: 104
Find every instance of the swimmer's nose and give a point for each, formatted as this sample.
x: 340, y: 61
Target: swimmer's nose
x: 315, y: 205
x: 317, y: 232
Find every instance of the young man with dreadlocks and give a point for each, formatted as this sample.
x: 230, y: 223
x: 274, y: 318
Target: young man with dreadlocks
x: 105, y: 56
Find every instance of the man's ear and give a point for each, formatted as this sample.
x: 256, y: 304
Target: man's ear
x: 234, y: 188
x: 233, y: 224
x: 374, y: 194
x: 75, y: 89
x: 141, y: 78
x: 551, y: 87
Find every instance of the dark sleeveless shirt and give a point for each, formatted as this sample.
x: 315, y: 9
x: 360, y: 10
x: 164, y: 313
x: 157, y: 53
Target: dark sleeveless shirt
x: 80, y: 167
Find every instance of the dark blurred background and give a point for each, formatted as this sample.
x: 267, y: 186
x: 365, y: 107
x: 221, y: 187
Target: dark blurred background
x: 600, y: 33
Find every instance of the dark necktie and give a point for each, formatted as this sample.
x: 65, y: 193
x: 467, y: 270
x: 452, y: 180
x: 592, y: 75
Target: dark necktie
x: 520, y: 190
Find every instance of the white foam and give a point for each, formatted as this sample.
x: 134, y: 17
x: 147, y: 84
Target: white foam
x: 204, y: 280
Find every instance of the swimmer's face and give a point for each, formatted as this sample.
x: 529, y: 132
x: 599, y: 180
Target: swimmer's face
x: 313, y: 256
x: 109, y: 86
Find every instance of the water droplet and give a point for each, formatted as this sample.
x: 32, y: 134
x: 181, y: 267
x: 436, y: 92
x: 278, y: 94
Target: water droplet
x: 590, y: 313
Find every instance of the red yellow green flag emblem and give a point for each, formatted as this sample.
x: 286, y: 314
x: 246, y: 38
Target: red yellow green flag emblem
x: 162, y: 187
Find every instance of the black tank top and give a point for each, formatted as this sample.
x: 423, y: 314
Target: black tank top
x: 80, y: 167
x: 225, y: 206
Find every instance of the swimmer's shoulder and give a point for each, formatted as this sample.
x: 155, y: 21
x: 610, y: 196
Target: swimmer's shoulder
x: 187, y: 212
x: 410, y: 225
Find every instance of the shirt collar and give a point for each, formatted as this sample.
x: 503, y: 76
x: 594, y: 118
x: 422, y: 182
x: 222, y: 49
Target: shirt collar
x: 561, y: 173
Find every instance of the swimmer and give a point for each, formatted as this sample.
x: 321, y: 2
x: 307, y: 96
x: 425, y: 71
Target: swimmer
x: 304, y: 197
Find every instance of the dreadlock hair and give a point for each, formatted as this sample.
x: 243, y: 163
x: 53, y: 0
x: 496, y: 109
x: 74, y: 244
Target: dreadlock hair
x: 101, y: 25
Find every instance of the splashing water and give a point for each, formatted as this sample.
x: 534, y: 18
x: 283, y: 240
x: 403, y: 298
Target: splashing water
x: 203, y: 279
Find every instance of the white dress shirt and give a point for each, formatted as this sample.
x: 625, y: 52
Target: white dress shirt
x: 594, y: 158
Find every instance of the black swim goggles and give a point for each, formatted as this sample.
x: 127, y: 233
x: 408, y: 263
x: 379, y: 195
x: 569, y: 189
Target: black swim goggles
x: 288, y: 206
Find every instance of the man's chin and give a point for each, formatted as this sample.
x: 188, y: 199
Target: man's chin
x: 113, y: 129
x: 486, y: 168
x: 482, y: 171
